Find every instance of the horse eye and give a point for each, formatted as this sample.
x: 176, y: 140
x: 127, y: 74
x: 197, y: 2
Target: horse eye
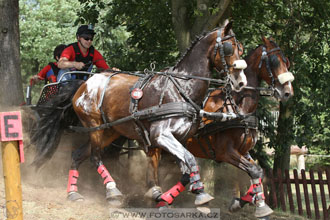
x: 228, y: 49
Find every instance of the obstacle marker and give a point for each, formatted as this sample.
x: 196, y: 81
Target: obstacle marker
x: 11, y: 137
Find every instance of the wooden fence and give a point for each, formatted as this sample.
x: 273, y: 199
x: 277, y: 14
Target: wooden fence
x: 284, y: 191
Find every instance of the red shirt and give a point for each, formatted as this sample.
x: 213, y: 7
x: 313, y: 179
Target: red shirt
x: 98, y: 59
x: 47, y: 72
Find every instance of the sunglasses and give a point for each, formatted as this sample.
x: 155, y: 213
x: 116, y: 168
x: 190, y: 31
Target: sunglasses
x: 88, y: 38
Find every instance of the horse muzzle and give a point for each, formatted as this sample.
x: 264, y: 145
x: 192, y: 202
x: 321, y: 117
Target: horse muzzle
x: 238, y: 77
x: 285, y: 91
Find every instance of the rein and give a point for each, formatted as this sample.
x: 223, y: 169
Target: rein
x: 176, y: 75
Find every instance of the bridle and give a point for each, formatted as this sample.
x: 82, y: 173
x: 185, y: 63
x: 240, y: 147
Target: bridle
x: 225, y: 49
x: 265, y: 58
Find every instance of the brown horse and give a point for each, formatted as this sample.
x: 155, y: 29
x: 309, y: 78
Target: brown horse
x: 231, y: 141
x: 110, y: 105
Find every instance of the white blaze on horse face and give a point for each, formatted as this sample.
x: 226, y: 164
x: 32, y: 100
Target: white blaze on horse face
x: 239, y: 82
x: 89, y: 97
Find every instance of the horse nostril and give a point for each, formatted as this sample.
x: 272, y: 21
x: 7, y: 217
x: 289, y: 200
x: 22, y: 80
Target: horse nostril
x: 241, y: 84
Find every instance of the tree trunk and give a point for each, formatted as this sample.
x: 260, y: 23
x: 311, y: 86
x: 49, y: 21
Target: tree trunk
x: 181, y: 24
x: 283, y: 137
x: 283, y: 140
x: 11, y: 91
x: 206, y: 20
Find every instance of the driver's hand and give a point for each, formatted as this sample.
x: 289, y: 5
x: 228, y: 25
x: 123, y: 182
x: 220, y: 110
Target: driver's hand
x: 34, y: 79
x: 115, y: 69
x: 79, y: 65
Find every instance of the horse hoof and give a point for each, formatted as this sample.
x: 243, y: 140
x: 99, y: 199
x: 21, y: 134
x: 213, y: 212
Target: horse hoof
x: 262, y: 212
x: 264, y: 218
x: 203, y: 198
x: 113, y: 193
x: 115, y: 203
x: 114, y: 197
x: 235, y: 205
x: 156, y: 193
x: 75, y: 197
x: 153, y: 193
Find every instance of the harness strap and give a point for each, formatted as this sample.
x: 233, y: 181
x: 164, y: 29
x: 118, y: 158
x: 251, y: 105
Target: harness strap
x: 139, y: 127
x: 141, y: 83
x: 151, y: 114
x: 213, y: 127
x: 163, y: 92
x: 177, y: 85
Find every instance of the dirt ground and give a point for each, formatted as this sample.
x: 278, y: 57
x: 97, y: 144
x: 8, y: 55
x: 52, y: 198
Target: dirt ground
x: 44, y: 192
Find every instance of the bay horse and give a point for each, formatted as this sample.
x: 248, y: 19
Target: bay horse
x: 231, y: 141
x: 159, y: 110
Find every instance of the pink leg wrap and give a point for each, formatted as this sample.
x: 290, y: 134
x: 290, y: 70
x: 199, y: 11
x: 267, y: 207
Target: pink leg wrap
x: 255, y: 193
x: 104, y: 174
x: 172, y: 193
x: 72, y: 182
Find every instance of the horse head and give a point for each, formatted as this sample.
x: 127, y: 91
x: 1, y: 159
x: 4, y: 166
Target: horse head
x: 274, y: 69
x: 226, y: 56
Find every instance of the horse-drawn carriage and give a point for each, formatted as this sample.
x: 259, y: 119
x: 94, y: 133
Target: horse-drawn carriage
x: 164, y: 110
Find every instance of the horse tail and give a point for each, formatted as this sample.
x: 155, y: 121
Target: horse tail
x: 55, y: 116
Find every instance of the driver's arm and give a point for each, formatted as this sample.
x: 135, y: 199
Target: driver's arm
x: 64, y: 63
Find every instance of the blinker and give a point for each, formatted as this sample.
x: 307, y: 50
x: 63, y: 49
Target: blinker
x: 228, y: 49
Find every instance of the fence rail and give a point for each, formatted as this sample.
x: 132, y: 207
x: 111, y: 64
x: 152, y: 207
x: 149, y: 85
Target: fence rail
x: 283, y: 190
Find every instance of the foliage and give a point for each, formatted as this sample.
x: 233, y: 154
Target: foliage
x: 266, y: 127
x: 43, y: 25
x: 134, y: 38
x: 149, y: 29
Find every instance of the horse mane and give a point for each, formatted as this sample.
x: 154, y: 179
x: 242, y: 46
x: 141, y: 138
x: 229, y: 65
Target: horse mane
x: 273, y: 43
x: 252, y: 51
x: 192, y: 44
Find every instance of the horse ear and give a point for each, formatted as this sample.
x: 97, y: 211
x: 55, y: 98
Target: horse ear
x: 228, y: 27
x: 265, y: 40
x: 240, y: 48
x: 287, y: 63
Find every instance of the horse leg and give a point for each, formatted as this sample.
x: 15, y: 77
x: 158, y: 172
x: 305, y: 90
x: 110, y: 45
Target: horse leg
x: 78, y: 156
x: 154, y: 155
x: 113, y: 195
x: 167, y: 141
x: 255, y: 194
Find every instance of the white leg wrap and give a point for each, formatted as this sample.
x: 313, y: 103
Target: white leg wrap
x: 110, y: 185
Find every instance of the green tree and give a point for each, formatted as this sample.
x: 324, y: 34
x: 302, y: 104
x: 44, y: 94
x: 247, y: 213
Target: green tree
x: 155, y: 30
x: 43, y: 25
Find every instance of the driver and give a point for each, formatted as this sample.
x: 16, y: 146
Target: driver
x: 81, y: 55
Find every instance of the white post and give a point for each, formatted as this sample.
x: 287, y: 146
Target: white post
x: 300, y: 162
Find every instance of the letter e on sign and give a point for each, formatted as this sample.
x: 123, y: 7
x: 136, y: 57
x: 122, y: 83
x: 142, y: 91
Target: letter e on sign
x: 11, y: 126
